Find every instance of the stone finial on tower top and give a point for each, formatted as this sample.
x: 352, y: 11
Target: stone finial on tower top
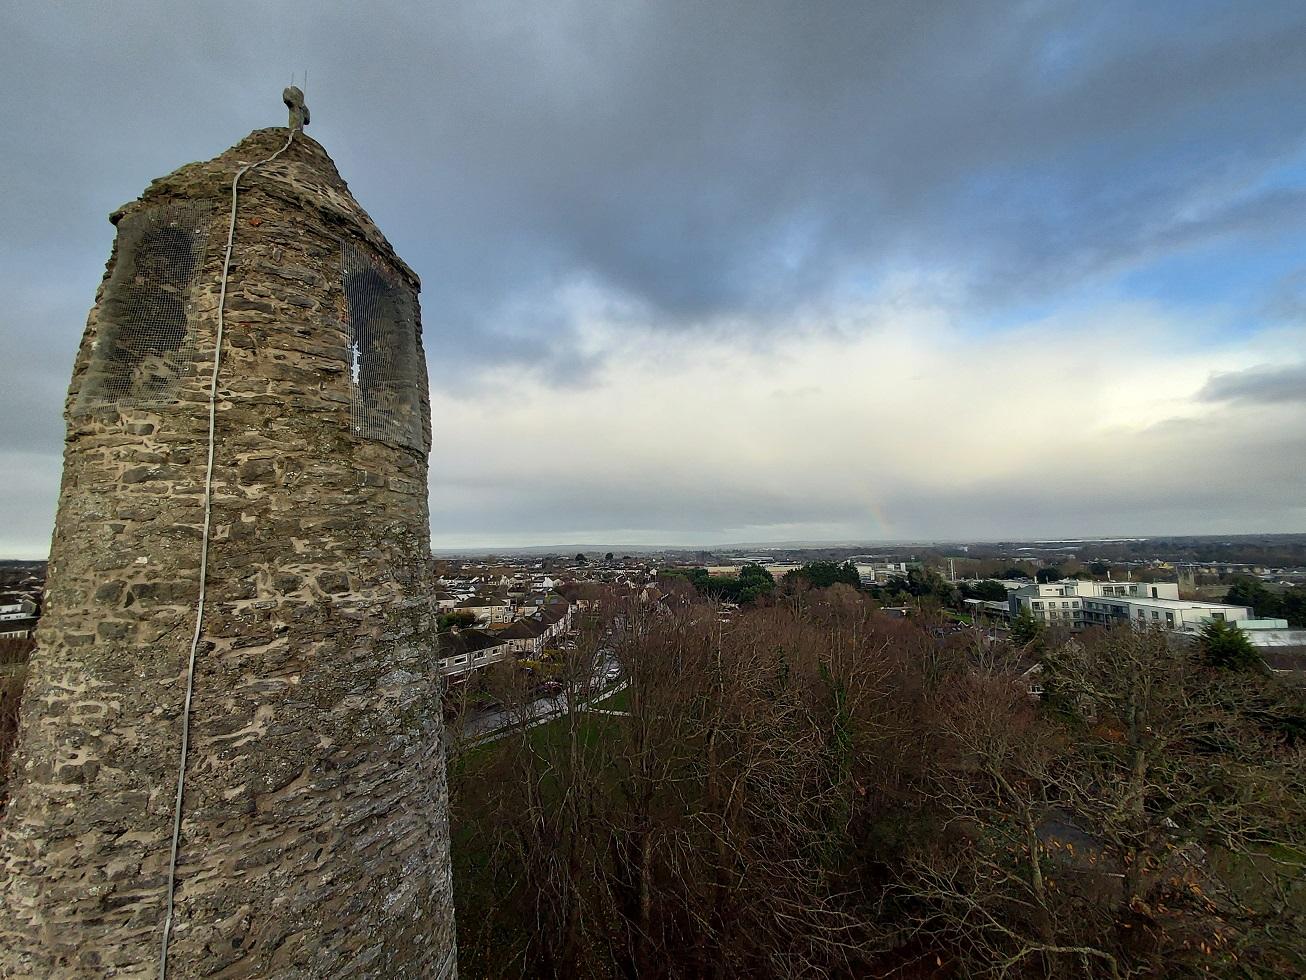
x: 294, y: 100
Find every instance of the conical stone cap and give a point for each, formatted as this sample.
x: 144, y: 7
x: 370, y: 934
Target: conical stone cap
x: 303, y: 177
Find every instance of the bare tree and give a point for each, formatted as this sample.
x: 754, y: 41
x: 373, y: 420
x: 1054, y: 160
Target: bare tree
x: 14, y: 654
x: 813, y: 789
x: 1129, y: 825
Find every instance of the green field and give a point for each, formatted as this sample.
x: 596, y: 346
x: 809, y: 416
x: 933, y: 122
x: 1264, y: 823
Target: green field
x: 616, y: 702
x: 483, y: 781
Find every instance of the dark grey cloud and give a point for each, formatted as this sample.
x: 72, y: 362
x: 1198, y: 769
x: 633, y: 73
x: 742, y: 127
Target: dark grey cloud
x: 700, y: 158
x: 707, y: 166
x: 1265, y: 385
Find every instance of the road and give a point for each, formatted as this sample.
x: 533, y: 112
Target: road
x: 490, y: 726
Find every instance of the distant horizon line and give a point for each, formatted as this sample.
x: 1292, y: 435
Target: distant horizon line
x: 800, y: 545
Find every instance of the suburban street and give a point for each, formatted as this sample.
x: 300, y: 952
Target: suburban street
x: 489, y: 726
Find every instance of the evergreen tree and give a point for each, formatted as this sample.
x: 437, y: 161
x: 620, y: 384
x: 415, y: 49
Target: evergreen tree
x: 1226, y: 647
x: 1025, y: 628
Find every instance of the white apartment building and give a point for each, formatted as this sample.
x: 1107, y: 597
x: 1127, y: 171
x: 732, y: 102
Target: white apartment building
x: 881, y: 571
x: 1076, y: 604
x: 1179, y: 615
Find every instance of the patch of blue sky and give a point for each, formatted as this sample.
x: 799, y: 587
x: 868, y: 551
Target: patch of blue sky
x: 1126, y: 243
x: 1021, y: 316
x: 1238, y: 276
x: 1222, y: 290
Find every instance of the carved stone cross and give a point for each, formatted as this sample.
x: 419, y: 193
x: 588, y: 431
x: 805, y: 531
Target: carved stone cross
x: 294, y: 100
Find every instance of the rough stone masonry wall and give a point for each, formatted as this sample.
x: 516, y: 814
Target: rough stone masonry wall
x: 315, y: 841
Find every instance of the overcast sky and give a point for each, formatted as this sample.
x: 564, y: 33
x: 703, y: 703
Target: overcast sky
x: 740, y: 271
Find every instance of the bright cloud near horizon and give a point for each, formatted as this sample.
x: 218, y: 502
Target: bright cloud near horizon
x: 744, y: 271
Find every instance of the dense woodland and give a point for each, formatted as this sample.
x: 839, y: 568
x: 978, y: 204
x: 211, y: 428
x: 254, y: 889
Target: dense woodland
x: 810, y: 788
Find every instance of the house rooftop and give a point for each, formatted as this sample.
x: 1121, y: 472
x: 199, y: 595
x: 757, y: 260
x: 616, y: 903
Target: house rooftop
x: 522, y: 629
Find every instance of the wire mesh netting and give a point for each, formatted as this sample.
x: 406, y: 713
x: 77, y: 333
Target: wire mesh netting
x: 145, y: 340
x: 385, y: 369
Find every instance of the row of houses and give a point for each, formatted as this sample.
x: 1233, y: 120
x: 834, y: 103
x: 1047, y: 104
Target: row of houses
x: 870, y: 571
x: 19, y: 613
x: 498, y: 636
x: 516, y: 614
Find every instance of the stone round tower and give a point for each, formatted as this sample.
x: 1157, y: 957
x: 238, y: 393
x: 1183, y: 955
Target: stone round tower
x: 313, y: 837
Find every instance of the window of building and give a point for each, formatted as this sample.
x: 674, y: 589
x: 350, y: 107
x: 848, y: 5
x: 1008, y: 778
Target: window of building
x: 145, y: 338
x: 386, y: 369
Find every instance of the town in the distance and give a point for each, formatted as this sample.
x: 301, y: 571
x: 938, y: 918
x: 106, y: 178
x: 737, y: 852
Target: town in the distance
x: 520, y: 608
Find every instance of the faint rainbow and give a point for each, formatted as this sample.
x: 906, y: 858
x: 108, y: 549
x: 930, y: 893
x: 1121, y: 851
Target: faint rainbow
x: 881, y: 518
